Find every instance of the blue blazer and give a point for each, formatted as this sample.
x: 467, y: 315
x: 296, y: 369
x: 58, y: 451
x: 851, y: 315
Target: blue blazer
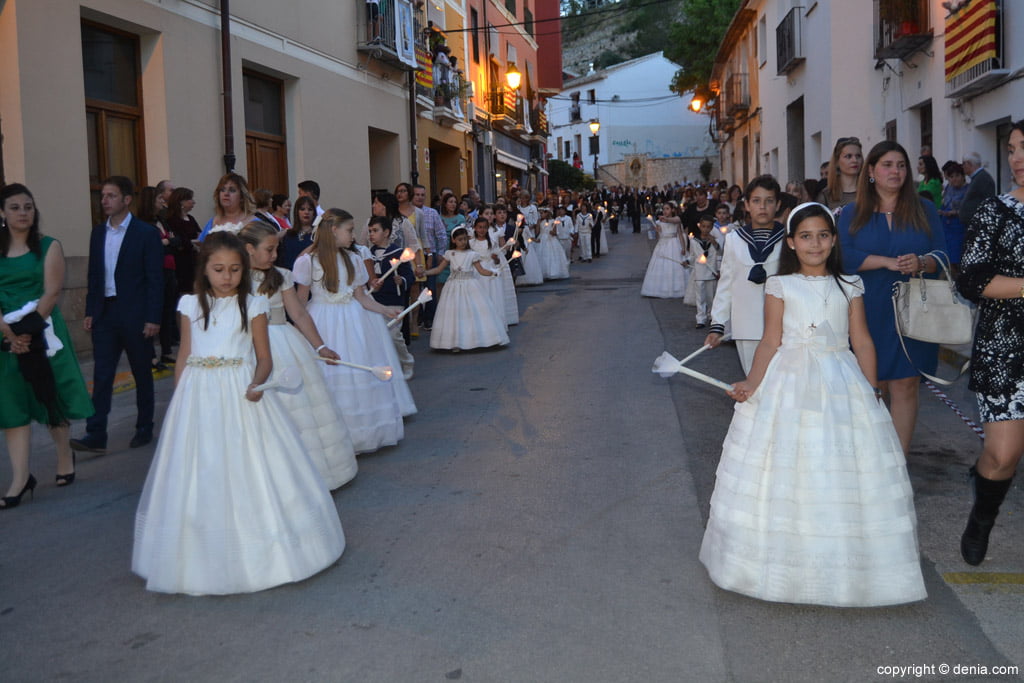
x: 138, y: 276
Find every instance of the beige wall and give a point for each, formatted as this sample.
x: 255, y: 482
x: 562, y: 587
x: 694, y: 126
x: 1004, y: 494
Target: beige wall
x: 333, y: 96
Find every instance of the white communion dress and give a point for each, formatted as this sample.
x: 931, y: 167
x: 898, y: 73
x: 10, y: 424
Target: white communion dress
x: 323, y: 429
x: 665, y: 277
x: 533, y: 274
x: 492, y: 285
x: 466, y: 318
x: 812, y: 502
x: 507, y: 282
x: 553, y: 263
x: 373, y: 409
x: 232, y: 503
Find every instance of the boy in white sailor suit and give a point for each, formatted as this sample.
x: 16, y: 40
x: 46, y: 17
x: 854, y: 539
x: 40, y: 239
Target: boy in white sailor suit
x: 584, y: 227
x: 750, y: 255
x: 565, y: 230
x: 706, y: 257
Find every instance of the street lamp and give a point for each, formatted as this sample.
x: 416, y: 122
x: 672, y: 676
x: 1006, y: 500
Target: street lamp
x: 513, y: 77
x: 595, y: 143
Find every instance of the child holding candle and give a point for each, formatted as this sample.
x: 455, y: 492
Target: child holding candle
x: 352, y: 323
x: 812, y: 502
x: 552, y: 257
x: 706, y: 257
x: 480, y: 242
x: 232, y: 503
x: 393, y: 291
x: 497, y: 232
x: 322, y: 428
x: 584, y: 228
x: 466, y: 317
x: 669, y: 267
x: 529, y: 249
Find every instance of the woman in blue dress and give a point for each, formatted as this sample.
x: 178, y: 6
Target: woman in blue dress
x: 886, y: 236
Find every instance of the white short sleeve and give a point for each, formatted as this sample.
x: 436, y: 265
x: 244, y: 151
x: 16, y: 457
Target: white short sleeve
x: 853, y: 286
x: 288, y: 280
x: 361, y: 276
x: 257, y: 305
x: 773, y: 286
x: 188, y: 306
x: 302, y: 271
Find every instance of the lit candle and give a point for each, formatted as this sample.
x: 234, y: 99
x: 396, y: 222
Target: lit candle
x: 702, y: 259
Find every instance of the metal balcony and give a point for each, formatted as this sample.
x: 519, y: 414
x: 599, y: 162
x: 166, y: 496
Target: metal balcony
x: 789, y: 46
x: 737, y: 94
x: 902, y: 28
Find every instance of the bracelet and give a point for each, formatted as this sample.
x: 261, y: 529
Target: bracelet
x: 1022, y: 290
x: 320, y: 348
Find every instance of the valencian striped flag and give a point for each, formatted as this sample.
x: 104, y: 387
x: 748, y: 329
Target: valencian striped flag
x: 425, y: 68
x: 970, y: 36
x: 510, y: 101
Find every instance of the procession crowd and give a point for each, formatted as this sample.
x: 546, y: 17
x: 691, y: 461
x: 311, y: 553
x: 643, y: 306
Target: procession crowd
x: 289, y: 327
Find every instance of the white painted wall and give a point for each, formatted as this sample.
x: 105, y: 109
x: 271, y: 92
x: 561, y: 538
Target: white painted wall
x: 660, y: 125
x: 846, y: 93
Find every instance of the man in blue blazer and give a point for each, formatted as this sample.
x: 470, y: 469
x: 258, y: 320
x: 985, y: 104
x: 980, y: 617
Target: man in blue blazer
x: 122, y: 310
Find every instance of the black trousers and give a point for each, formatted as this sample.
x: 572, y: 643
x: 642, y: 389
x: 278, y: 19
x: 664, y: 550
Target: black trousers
x: 110, y: 337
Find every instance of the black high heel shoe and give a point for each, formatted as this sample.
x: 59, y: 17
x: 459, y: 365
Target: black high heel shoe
x: 68, y: 479
x: 14, y: 501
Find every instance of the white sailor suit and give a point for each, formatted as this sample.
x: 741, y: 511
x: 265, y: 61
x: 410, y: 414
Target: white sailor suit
x: 739, y: 299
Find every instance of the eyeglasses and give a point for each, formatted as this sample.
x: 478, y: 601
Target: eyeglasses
x: 842, y: 142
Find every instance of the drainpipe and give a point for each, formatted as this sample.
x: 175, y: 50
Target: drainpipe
x: 414, y: 172
x: 225, y: 62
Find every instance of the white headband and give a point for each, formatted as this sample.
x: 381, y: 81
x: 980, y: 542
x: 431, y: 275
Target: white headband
x: 789, y: 219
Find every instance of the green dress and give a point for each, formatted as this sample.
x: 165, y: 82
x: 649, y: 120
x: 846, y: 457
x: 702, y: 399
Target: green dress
x: 21, y: 281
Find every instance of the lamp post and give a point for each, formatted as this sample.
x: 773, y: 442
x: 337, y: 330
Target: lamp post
x: 595, y: 143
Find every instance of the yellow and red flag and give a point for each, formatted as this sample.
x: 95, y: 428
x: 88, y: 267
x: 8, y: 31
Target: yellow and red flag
x: 970, y: 36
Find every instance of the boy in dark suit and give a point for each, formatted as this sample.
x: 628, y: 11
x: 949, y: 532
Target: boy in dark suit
x: 122, y: 310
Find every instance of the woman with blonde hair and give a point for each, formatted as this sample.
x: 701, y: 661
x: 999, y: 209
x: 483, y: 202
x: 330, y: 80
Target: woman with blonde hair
x: 843, y: 173
x: 233, y: 205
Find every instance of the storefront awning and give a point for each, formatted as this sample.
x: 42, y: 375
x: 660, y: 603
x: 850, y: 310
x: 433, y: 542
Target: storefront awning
x: 512, y: 160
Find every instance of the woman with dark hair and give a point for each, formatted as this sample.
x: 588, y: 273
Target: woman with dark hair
x: 886, y: 236
x: 147, y: 213
x: 931, y: 184
x: 280, y: 207
x: 183, y: 226
x: 300, y: 236
x: 41, y: 381
x: 843, y: 173
x: 952, y: 198
x: 992, y: 275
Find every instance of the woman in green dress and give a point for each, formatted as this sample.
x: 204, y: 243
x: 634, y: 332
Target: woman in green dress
x: 32, y: 270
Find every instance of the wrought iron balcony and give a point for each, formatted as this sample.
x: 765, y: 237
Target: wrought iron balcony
x: 789, y: 41
x: 902, y: 28
x: 388, y: 32
x: 737, y: 94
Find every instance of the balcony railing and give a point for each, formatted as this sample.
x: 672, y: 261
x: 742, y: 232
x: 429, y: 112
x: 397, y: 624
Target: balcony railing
x: 902, y: 28
x: 574, y: 113
x: 737, y: 94
x: 789, y: 46
x: 389, y: 32
x: 449, y: 93
x: 539, y: 121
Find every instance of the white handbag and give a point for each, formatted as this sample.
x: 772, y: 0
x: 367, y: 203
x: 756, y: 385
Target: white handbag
x: 932, y: 311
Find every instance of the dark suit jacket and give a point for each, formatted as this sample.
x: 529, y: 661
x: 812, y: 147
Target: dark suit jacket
x: 979, y: 189
x: 138, y: 276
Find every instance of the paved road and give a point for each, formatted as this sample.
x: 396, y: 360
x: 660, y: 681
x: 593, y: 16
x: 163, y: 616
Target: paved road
x: 540, y: 522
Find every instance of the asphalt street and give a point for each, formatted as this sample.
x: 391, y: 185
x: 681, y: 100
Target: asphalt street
x: 540, y: 522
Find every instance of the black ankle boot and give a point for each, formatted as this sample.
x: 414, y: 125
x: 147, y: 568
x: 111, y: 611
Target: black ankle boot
x: 988, y: 496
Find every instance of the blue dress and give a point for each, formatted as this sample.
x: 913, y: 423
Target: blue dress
x: 877, y: 239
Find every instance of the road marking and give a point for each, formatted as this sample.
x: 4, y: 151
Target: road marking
x: 1015, y: 578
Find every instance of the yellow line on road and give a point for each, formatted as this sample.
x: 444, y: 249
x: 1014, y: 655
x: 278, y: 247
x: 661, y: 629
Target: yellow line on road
x: 1016, y: 578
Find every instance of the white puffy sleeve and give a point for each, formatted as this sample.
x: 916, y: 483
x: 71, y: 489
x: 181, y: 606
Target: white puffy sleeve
x: 289, y: 281
x: 188, y: 306
x: 773, y: 286
x: 361, y: 276
x: 302, y: 271
x: 853, y: 286
x: 257, y: 305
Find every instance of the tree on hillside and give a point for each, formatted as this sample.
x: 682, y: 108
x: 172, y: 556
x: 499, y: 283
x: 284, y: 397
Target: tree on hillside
x: 693, y: 42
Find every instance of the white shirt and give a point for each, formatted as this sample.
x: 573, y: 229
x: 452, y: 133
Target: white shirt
x: 114, y: 238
